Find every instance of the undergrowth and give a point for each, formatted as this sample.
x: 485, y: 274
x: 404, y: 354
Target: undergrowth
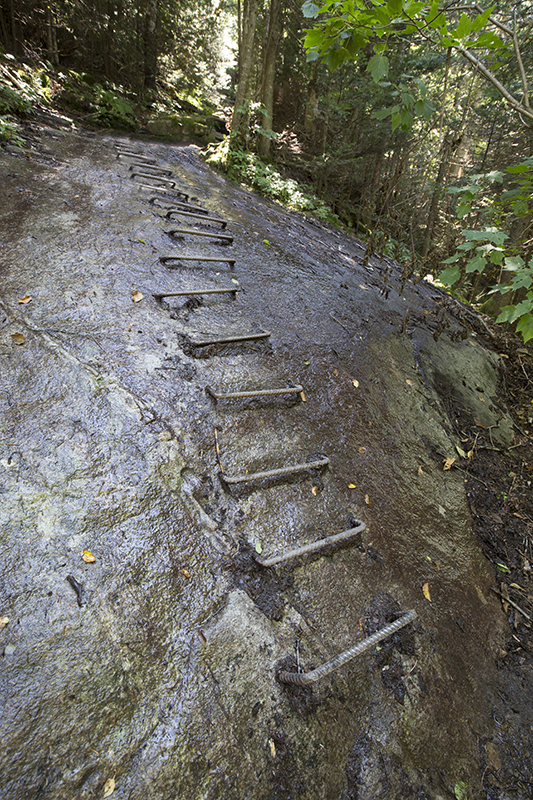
x: 247, y: 168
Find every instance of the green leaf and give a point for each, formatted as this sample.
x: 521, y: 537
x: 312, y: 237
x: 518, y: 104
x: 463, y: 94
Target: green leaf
x: 476, y: 264
x: 258, y: 548
x: 502, y: 568
x: 525, y: 327
x: 378, y: 66
x: 394, y: 7
x: 481, y: 20
x: 385, y: 112
x: 464, y: 27
x: 312, y: 55
x: 354, y: 44
x: 335, y: 57
x: 450, y: 276
x: 518, y: 168
x: 423, y: 108
x: 512, y: 263
x: 310, y: 9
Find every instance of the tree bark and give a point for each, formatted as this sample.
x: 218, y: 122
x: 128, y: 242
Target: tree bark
x: 269, y: 75
x: 150, y: 45
x: 240, y: 112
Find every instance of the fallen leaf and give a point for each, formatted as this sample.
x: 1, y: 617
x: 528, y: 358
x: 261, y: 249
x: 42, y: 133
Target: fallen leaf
x: 185, y: 572
x: 503, y: 568
x: 258, y: 548
x: 88, y: 557
x: 4, y: 621
x: 367, y: 500
x: 303, y: 398
x: 335, y: 372
x: 235, y: 281
x: 18, y: 338
x: 307, y: 363
x: 505, y: 597
x: 361, y: 449
x: 109, y: 787
x: 448, y: 463
x: 442, y: 511
x: 272, y: 748
x: 352, y: 486
x: 25, y: 300
x: 265, y: 241
x: 315, y: 490
x: 141, y: 241
x: 493, y: 758
x: 517, y: 586
x: 137, y: 297
x: 461, y: 452
x: 355, y: 383
x: 425, y: 590
x: 420, y: 471
x: 408, y: 382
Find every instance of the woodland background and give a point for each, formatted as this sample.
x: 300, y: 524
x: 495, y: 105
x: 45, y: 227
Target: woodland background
x: 406, y: 122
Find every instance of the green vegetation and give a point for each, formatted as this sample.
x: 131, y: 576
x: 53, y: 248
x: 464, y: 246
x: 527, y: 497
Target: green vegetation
x: 408, y: 122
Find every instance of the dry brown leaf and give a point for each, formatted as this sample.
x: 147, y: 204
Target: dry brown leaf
x: 420, y: 471
x: 335, y: 372
x: 18, y: 338
x: 26, y: 299
x: 272, y: 748
x: 315, y: 490
x: 352, y: 486
x: 185, y: 572
x: 355, y: 383
x: 109, y: 787
x: 4, y: 621
x: 88, y: 557
x: 425, y: 590
x: 367, y: 500
x: 137, y: 297
x: 505, y: 596
x: 361, y: 449
x: 448, y: 463
x: 408, y: 382
x: 303, y: 398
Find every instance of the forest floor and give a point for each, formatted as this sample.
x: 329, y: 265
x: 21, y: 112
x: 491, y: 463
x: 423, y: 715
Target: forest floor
x: 426, y: 409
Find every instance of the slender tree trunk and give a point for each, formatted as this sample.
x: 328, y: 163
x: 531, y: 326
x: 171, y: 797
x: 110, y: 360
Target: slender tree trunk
x: 269, y: 75
x: 435, y: 198
x: 311, y: 108
x: 240, y: 112
x: 150, y: 45
x: 53, y: 53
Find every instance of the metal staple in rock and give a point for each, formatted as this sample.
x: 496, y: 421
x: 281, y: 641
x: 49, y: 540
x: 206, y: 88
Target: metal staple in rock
x: 227, y: 237
x: 272, y: 473
x: 198, y: 257
x: 162, y: 181
x: 194, y: 292
x: 305, y: 678
x: 155, y: 170
x: 248, y: 337
x: 257, y: 393
x: 203, y: 215
x: 312, y: 547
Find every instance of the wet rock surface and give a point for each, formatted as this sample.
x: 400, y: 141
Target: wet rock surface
x: 155, y: 665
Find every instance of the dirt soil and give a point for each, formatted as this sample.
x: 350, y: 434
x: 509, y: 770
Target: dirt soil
x: 141, y: 639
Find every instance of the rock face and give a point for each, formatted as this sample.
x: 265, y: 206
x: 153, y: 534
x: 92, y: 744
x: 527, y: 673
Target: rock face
x: 207, y: 128
x: 152, y: 670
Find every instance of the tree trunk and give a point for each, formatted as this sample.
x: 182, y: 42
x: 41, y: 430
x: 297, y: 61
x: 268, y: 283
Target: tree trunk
x: 311, y: 108
x: 435, y: 198
x: 268, y: 76
x: 51, y: 39
x: 150, y: 45
x: 240, y: 112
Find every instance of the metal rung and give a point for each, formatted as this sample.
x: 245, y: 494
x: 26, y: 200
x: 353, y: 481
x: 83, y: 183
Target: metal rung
x: 305, y: 678
x: 166, y: 195
x: 160, y: 170
x: 195, y: 292
x: 203, y: 215
x: 137, y: 157
x: 272, y: 473
x: 191, y: 232
x: 257, y: 393
x: 167, y: 181
x: 311, y: 548
x: 198, y: 257
x: 249, y: 337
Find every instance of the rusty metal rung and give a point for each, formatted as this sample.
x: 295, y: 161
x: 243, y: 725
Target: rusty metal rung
x: 272, y: 473
x: 198, y: 257
x: 162, y: 180
x: 312, y: 547
x: 154, y: 168
x: 203, y: 215
x: 167, y: 195
x: 191, y: 232
x: 145, y: 160
x: 195, y: 292
x: 256, y: 393
x: 248, y: 337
